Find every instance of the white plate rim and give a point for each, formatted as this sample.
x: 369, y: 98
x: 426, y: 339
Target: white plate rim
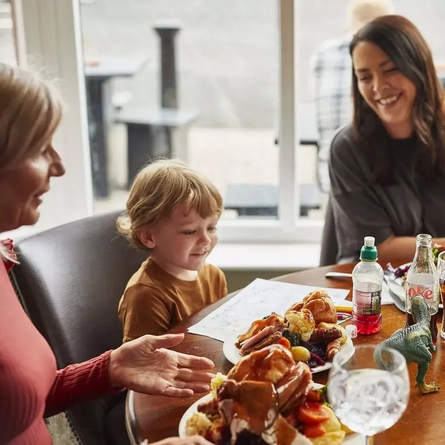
x: 231, y: 353
x: 350, y: 439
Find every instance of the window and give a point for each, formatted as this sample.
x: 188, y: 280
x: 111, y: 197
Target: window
x: 227, y: 80
x: 243, y: 102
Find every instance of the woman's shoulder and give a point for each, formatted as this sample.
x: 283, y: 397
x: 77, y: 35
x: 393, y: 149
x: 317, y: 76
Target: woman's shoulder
x: 344, y: 140
x: 346, y: 149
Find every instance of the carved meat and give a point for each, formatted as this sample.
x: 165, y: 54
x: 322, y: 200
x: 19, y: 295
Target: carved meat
x: 292, y: 388
x: 247, y: 344
x: 258, y: 389
x: 283, y: 433
x: 248, y: 405
x: 267, y: 341
x: 259, y: 325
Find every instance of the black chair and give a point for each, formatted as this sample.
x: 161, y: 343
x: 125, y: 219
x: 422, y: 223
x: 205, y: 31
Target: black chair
x: 70, y: 280
x: 329, y: 245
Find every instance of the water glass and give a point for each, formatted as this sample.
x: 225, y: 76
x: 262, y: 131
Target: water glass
x: 368, y: 388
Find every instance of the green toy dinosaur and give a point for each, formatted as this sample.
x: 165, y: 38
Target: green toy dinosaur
x: 414, y: 343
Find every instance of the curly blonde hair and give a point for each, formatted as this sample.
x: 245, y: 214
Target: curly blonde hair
x: 156, y: 191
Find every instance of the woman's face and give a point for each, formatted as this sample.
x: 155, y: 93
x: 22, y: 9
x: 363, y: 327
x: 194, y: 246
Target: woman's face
x: 22, y: 188
x: 384, y: 88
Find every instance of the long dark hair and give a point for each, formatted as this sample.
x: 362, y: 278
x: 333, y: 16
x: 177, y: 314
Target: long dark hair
x: 406, y: 47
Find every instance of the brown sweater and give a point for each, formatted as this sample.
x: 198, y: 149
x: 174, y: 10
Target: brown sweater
x: 155, y: 301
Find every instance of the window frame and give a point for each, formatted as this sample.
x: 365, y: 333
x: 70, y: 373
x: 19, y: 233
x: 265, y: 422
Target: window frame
x: 52, y: 29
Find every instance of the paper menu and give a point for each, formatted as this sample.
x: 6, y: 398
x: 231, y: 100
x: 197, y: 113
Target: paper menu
x: 258, y: 299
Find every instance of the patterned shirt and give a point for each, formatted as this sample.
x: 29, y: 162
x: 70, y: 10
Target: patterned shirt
x: 332, y: 72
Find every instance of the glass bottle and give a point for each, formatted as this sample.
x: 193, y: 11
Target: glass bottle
x: 422, y: 279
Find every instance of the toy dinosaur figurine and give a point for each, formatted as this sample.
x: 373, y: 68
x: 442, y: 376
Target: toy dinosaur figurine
x: 414, y: 343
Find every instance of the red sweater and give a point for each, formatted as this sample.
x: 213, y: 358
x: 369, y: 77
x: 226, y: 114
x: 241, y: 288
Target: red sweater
x: 30, y: 385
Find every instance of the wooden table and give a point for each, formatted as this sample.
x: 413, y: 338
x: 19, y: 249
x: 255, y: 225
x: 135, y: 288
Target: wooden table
x: 156, y: 417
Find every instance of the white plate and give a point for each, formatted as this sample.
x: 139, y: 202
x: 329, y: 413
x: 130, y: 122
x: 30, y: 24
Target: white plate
x: 231, y: 353
x: 350, y: 439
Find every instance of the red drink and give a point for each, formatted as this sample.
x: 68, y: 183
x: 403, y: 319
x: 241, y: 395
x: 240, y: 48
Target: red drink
x: 367, y: 324
x: 433, y: 324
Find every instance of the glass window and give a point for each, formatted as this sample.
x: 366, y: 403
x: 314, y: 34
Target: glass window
x: 7, y: 44
x: 201, y: 84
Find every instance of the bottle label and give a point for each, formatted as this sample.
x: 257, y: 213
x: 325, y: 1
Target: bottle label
x: 367, y: 303
x: 413, y: 289
x: 428, y: 292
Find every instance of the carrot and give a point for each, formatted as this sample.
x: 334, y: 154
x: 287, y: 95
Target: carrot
x: 314, y: 430
x: 284, y: 342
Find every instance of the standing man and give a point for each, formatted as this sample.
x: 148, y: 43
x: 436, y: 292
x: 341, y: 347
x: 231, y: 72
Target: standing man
x: 331, y: 70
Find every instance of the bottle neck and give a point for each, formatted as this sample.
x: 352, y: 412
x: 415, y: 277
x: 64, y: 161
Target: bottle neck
x: 424, y: 254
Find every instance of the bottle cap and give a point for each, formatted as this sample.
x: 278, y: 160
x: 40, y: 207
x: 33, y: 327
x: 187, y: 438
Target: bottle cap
x: 369, y: 251
x: 351, y: 330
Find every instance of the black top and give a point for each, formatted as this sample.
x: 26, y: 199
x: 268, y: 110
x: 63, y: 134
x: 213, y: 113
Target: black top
x: 407, y: 206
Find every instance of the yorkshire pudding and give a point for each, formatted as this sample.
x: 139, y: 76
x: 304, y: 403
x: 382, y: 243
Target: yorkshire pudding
x: 320, y: 304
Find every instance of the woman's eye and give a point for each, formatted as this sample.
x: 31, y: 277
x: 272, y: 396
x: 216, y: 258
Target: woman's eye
x: 392, y: 70
x: 364, y: 79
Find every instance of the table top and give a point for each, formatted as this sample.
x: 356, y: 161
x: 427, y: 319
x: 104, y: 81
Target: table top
x: 157, y: 417
x: 107, y: 68
x: 137, y: 113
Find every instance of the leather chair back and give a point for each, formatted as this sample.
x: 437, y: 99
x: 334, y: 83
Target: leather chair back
x: 70, y: 280
x: 329, y: 246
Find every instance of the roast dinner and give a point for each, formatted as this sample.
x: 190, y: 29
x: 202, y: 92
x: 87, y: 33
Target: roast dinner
x: 308, y: 329
x: 267, y: 398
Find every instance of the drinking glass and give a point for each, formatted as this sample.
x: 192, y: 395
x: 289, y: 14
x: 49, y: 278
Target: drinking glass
x: 441, y: 272
x: 368, y: 388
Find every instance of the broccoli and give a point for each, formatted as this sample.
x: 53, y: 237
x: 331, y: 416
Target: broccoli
x: 323, y: 391
x: 293, y: 337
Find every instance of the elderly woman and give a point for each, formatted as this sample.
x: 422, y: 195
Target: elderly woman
x: 387, y: 169
x: 30, y: 385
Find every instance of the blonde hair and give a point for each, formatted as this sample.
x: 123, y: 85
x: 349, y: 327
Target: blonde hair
x: 361, y: 12
x: 30, y: 112
x: 158, y: 188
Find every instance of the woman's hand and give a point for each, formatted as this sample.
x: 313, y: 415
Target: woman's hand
x: 145, y: 365
x: 192, y: 440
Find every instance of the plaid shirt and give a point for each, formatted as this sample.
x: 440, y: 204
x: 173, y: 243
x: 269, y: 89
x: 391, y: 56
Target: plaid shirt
x: 331, y: 69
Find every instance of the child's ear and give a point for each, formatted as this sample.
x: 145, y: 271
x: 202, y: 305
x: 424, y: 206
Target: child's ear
x: 147, y: 239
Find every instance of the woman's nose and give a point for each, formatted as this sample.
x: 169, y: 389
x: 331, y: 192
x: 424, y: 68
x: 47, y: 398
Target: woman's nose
x: 380, y: 85
x: 57, y: 167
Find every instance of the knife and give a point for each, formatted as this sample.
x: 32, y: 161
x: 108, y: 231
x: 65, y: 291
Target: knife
x: 397, y: 301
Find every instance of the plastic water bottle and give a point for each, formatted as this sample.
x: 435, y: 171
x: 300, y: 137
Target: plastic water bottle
x: 367, y: 281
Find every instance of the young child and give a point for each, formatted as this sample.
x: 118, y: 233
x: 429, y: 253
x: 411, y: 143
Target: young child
x: 172, y: 212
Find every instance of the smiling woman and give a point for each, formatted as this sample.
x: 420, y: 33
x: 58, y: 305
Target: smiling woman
x: 31, y: 111
x: 30, y: 384
x: 388, y: 168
